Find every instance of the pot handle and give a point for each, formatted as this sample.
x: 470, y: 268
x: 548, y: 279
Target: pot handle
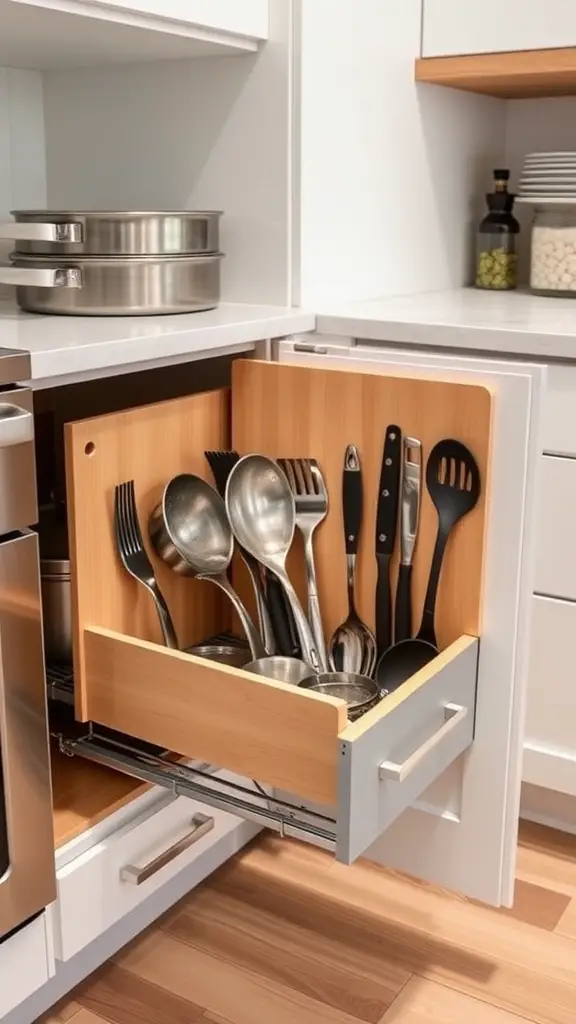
x: 16, y: 425
x: 49, y: 277
x: 35, y: 232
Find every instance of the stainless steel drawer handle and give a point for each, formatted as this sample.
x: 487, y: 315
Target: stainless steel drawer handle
x: 16, y: 425
x: 136, y: 874
x: 42, y: 277
x: 29, y: 232
x: 455, y: 715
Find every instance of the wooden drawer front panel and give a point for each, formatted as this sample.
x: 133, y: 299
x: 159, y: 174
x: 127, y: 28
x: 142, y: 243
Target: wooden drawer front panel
x: 283, y: 411
x: 551, y: 713
x: 149, y: 445
x: 559, y: 414
x: 99, y: 887
x: 556, y: 551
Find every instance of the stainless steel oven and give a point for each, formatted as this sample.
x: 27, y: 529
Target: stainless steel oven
x: 27, y: 877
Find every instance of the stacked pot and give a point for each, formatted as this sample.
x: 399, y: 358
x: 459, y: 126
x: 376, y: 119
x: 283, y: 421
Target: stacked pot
x: 119, y: 263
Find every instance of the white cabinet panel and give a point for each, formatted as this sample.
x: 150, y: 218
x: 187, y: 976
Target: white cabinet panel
x: 459, y: 27
x: 466, y: 838
x: 25, y: 965
x: 559, y: 413
x: 247, y: 17
x: 550, y: 744
x: 556, y: 541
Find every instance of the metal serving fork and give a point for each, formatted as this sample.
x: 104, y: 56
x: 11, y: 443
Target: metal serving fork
x: 311, y: 500
x: 135, y: 558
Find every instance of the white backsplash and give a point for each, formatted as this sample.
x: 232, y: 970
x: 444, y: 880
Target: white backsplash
x: 22, y: 147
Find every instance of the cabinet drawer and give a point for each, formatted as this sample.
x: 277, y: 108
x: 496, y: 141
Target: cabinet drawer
x: 25, y: 965
x: 454, y: 27
x: 556, y: 543
x: 550, y: 741
x: 362, y: 775
x: 108, y: 881
x: 559, y: 419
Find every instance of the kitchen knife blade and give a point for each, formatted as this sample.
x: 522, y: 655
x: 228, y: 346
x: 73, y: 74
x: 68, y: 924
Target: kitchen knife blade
x: 386, y: 521
x: 409, y: 521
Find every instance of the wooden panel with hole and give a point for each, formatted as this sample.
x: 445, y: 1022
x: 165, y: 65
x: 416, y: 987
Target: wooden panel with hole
x: 293, y: 739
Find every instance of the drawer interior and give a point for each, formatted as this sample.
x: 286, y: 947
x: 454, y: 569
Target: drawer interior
x: 285, y: 737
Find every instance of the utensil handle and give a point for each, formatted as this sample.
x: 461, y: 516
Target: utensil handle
x: 252, y: 635
x: 403, y: 610
x: 383, y: 605
x: 264, y: 622
x: 314, y: 613
x: 282, y: 620
x: 309, y: 652
x: 42, y: 277
x: 166, y: 624
x: 352, y: 499
x: 427, y: 631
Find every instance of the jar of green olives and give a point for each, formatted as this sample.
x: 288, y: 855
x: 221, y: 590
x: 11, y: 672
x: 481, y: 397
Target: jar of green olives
x: 496, y: 259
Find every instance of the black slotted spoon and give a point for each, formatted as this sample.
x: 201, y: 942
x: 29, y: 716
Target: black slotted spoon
x: 453, y: 482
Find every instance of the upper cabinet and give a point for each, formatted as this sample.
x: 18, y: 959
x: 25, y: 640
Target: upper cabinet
x: 452, y: 27
x: 51, y: 34
x: 248, y: 18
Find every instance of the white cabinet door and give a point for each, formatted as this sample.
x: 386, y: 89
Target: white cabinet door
x: 462, y: 834
x: 247, y: 17
x: 550, y: 744
x: 458, y: 26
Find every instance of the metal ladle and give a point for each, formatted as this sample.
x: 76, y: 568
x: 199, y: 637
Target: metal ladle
x: 190, y: 531
x: 262, y: 514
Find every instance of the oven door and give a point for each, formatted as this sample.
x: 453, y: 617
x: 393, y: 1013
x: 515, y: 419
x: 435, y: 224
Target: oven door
x: 27, y: 875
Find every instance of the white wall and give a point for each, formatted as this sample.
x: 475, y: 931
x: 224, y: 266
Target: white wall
x: 393, y: 173
x: 209, y: 133
x: 22, y: 150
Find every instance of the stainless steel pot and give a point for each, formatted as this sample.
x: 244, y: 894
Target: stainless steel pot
x: 114, y: 232
x: 114, y: 285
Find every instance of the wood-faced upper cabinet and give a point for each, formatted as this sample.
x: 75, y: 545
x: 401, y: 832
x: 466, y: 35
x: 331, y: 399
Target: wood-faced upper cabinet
x: 428, y: 781
x: 453, y: 27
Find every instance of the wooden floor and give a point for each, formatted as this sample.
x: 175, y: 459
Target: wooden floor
x: 284, y: 936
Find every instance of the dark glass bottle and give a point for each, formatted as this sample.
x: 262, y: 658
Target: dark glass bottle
x: 496, y: 258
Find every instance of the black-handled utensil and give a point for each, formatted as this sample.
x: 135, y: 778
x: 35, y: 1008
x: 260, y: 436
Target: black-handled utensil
x: 453, y: 482
x: 410, y: 493
x: 352, y: 647
x: 386, y: 521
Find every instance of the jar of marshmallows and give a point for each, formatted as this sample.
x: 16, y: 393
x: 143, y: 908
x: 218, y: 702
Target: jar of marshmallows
x: 553, y: 255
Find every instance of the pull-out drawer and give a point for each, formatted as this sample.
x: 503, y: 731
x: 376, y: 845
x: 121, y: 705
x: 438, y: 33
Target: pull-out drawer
x: 361, y: 775
x: 556, y: 555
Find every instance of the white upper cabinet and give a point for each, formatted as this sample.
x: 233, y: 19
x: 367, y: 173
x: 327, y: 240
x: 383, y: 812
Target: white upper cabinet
x: 247, y: 18
x: 454, y: 27
x: 53, y: 34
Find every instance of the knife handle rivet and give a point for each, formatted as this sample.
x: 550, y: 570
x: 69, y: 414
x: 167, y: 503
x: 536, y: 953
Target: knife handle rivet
x: 382, y: 537
x: 385, y: 494
x: 388, y: 462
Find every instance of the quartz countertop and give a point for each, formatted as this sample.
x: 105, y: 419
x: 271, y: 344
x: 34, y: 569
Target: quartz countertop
x: 63, y: 348
x: 517, y: 323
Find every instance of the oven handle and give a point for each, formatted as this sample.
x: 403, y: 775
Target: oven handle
x: 16, y: 425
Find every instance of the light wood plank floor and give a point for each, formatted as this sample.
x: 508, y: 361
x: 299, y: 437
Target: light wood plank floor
x: 282, y: 935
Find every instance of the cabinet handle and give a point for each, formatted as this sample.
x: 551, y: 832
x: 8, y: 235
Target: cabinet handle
x: 454, y: 715
x: 136, y: 874
x: 36, y: 232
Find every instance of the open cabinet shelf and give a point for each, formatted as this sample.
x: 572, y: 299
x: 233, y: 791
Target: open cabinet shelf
x: 518, y: 75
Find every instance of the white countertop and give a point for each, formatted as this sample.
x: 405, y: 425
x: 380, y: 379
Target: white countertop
x: 513, y: 322
x: 64, y: 347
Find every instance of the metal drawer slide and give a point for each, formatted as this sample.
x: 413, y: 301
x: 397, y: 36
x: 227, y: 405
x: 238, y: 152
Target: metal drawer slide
x: 199, y: 783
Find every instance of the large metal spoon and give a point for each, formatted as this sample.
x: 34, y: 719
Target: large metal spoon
x: 353, y: 647
x: 262, y: 514
x: 190, y: 531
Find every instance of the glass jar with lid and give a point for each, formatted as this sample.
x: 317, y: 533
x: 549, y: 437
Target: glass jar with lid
x: 496, y: 259
x: 553, y: 251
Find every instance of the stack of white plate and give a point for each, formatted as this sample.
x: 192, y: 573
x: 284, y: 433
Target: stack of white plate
x: 548, y: 178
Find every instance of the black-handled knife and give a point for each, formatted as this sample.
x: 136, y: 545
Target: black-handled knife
x: 386, y: 523
x: 352, y: 499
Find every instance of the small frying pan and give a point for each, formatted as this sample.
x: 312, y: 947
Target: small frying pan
x: 453, y: 482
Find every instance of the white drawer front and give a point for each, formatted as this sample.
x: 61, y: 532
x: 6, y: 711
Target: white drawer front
x: 559, y: 419
x: 556, y: 541
x: 24, y: 965
x: 108, y: 881
x: 458, y: 26
x: 550, y: 739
